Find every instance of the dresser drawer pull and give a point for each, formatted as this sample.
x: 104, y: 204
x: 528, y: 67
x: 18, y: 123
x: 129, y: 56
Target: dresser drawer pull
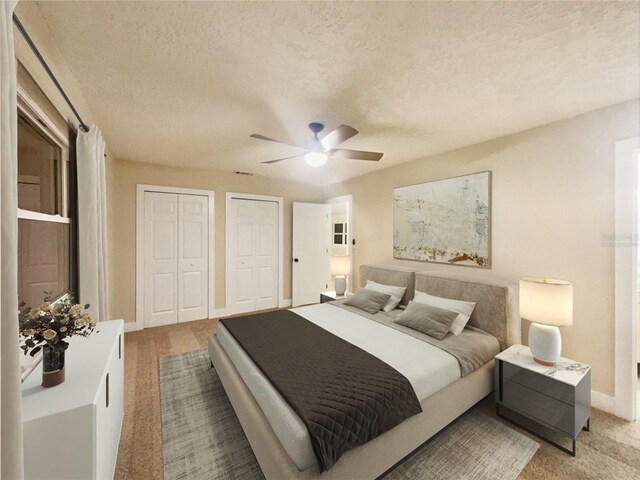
x: 107, y: 390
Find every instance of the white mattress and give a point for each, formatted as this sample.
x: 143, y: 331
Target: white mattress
x: 427, y: 368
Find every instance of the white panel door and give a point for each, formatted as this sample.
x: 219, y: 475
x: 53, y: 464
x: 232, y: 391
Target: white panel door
x: 193, y: 257
x: 160, y: 258
x: 311, y: 247
x: 266, y: 255
x: 252, y: 282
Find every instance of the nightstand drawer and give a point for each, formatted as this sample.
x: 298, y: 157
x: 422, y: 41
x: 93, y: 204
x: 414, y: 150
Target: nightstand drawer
x: 546, y: 385
x: 539, y: 406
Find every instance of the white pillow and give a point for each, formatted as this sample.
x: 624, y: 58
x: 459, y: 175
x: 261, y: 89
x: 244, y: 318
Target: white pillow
x: 396, y: 293
x: 462, y: 308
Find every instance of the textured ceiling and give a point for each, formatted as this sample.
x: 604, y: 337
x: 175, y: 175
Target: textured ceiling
x: 185, y: 83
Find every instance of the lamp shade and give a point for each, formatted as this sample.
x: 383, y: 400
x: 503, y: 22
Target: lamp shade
x: 546, y: 300
x: 340, y: 265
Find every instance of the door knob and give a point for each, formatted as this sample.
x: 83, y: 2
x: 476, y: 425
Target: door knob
x: 296, y: 260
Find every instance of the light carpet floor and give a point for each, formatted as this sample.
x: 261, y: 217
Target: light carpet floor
x: 202, y: 438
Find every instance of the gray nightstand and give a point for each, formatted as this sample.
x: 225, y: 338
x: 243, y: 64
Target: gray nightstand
x: 330, y: 296
x: 557, y: 397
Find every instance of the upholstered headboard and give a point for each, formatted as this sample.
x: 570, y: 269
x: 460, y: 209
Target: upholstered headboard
x: 496, y: 300
x: 390, y: 275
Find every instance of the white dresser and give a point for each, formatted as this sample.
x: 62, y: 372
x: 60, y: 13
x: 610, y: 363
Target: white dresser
x: 72, y: 431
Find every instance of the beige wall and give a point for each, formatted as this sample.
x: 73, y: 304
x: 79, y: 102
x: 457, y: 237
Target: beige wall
x: 121, y: 207
x: 553, y: 200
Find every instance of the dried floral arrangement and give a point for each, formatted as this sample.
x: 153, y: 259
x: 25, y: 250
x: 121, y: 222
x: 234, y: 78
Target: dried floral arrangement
x: 49, y: 325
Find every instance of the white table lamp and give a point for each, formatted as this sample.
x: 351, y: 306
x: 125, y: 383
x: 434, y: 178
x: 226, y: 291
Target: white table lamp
x: 548, y: 304
x: 340, y: 268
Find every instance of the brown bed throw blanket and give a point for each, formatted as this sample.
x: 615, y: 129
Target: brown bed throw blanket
x: 344, y: 395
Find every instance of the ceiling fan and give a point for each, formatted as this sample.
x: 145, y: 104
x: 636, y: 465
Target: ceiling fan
x: 319, y: 150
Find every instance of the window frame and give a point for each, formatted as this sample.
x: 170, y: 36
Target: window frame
x: 28, y: 108
x: 343, y: 235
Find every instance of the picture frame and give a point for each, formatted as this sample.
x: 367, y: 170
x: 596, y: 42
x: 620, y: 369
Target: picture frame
x: 444, y: 221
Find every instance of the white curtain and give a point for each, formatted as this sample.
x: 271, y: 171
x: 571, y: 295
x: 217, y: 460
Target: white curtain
x: 11, y: 465
x: 92, y: 222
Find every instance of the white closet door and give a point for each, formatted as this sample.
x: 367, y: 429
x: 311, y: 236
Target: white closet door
x: 252, y: 282
x: 192, y: 258
x: 266, y: 255
x: 160, y: 258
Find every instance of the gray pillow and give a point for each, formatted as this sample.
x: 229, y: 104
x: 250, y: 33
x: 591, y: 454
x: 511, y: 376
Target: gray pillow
x: 368, y: 300
x: 428, y: 319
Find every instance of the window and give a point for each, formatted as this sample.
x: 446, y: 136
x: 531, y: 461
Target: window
x: 339, y: 233
x: 45, y: 236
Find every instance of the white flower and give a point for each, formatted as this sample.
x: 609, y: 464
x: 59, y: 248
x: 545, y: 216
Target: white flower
x: 45, y: 306
x: 49, y: 334
x: 33, y: 312
x: 63, y: 329
x: 29, y: 332
x: 80, y: 322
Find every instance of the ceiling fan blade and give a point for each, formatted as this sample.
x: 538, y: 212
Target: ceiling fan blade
x: 335, y: 138
x: 262, y: 137
x: 356, y: 154
x: 279, y: 159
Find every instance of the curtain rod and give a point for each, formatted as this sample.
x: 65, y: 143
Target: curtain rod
x: 83, y: 126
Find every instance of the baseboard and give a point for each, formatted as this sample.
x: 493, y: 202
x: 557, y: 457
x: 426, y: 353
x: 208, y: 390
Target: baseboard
x: 130, y: 327
x: 133, y: 326
x: 603, y: 402
x: 285, y: 303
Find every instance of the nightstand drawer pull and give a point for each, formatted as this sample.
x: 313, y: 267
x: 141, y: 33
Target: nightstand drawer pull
x: 538, y: 382
x: 540, y: 407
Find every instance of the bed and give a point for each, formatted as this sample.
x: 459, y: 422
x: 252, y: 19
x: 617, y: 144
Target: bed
x: 279, y: 438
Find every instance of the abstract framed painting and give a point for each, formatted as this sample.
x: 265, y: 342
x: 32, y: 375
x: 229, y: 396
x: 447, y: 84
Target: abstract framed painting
x: 444, y: 221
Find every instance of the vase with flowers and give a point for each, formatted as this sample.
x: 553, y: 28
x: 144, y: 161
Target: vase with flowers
x: 47, y: 327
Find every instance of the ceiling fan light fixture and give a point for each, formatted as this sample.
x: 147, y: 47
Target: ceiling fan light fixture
x: 315, y: 159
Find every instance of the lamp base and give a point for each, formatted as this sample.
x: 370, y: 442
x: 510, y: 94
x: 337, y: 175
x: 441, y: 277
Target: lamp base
x: 340, y: 284
x: 545, y: 343
x: 546, y: 364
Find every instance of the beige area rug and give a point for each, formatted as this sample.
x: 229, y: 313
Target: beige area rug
x: 202, y: 438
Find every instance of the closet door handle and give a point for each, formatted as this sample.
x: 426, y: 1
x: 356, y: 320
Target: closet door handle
x: 107, y: 390
x: 120, y: 347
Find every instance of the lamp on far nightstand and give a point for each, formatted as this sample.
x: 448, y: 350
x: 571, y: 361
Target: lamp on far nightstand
x: 548, y: 304
x: 340, y: 268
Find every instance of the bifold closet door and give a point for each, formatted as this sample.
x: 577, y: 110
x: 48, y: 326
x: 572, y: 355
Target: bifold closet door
x: 193, y: 257
x: 175, y: 258
x: 252, y: 280
x: 160, y: 258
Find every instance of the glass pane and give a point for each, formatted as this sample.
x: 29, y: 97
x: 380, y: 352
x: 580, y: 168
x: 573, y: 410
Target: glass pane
x: 337, y: 239
x: 43, y: 260
x: 337, y: 228
x: 39, y: 172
